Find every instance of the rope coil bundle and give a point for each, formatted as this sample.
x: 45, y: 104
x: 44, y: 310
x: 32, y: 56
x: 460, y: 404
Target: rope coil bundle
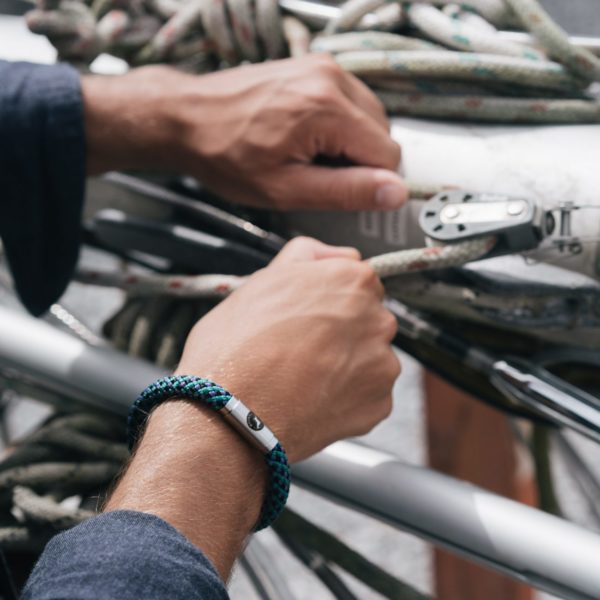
x: 34, y: 482
x: 430, y: 58
x: 69, y: 455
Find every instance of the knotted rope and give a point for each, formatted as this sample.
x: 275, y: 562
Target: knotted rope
x: 429, y: 58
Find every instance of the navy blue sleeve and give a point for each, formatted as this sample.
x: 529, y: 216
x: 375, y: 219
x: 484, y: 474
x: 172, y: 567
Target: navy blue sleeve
x: 123, y: 555
x: 42, y: 177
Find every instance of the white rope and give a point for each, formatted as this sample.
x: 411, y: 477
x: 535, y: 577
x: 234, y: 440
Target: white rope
x: 433, y: 42
x: 220, y: 286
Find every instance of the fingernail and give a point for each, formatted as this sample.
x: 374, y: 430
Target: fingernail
x: 391, y: 190
x: 390, y: 195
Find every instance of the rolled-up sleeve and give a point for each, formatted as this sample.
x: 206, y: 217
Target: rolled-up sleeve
x: 42, y: 177
x: 123, y: 555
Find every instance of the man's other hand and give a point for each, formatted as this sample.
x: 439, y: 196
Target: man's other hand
x: 305, y: 343
x: 266, y: 135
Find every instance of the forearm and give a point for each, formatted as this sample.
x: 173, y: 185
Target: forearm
x: 195, y: 472
x: 286, y: 343
x: 192, y: 492
x: 266, y: 123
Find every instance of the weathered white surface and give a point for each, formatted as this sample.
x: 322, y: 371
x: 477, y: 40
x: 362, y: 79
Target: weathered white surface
x: 17, y: 43
x: 550, y: 164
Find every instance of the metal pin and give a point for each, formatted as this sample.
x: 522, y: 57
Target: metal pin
x: 514, y: 209
x: 451, y: 212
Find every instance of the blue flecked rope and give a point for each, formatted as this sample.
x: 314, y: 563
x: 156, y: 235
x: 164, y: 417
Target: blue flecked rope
x: 216, y: 397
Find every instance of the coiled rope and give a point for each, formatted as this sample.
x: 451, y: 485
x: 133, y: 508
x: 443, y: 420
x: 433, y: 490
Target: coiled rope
x: 69, y: 455
x: 57, y: 477
x: 430, y: 58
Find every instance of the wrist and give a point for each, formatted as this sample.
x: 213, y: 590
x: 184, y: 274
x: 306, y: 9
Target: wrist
x: 129, y: 122
x: 195, y: 472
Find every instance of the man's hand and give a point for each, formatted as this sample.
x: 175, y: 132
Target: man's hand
x: 306, y: 345
x: 259, y: 134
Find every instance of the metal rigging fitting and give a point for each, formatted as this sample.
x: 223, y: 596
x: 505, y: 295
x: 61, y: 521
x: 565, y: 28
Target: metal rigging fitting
x: 566, y: 239
x: 563, y: 403
x: 518, y: 224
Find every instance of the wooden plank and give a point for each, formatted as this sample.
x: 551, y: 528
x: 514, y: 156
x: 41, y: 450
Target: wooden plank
x: 470, y: 441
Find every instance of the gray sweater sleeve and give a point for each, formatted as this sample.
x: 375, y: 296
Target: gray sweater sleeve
x: 123, y: 555
x: 42, y: 177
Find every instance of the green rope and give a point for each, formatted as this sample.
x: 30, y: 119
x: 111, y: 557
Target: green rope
x: 541, y: 452
x: 296, y: 527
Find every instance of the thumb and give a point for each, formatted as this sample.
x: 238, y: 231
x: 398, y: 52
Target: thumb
x: 306, y: 249
x: 347, y: 188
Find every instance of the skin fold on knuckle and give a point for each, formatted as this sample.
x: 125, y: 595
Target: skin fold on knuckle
x: 367, y: 279
x: 353, y: 200
x: 385, y: 408
x: 322, y: 97
x: 341, y: 195
x: 279, y: 194
x: 393, y: 367
x: 327, y: 67
x: 395, y: 154
x: 379, y: 410
x: 388, y: 325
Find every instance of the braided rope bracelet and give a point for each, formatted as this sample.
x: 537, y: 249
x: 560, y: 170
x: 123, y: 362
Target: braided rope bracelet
x: 237, y: 414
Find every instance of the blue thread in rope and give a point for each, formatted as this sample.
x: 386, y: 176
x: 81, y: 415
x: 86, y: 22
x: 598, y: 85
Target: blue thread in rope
x: 216, y: 397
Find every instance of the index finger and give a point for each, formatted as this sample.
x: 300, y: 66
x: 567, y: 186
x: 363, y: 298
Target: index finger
x: 360, y: 95
x: 306, y: 249
x: 359, y: 138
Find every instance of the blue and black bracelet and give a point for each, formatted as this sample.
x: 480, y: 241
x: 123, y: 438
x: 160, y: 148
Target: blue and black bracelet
x: 237, y: 414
